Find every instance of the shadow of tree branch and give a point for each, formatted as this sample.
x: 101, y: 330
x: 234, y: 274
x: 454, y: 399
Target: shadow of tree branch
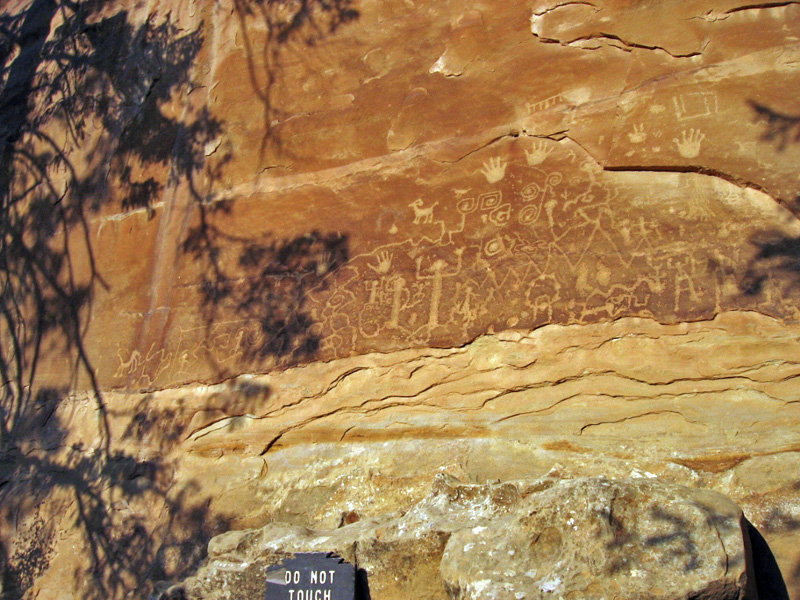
x: 87, y: 120
x: 283, y: 23
x: 78, y: 106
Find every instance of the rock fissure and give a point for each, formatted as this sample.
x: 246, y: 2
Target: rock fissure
x: 626, y: 46
x: 631, y: 417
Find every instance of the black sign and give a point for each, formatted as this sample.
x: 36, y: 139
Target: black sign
x: 311, y: 576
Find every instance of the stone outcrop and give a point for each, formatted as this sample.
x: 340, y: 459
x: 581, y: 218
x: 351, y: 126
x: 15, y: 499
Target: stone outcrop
x: 270, y: 262
x: 547, y: 538
x: 357, y: 439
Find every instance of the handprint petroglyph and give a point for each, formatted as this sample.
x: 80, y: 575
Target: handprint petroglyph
x: 689, y: 144
x: 384, y: 263
x: 494, y: 169
x: 538, y: 153
x: 638, y: 135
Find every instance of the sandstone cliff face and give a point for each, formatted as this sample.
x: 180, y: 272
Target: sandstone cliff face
x: 283, y: 261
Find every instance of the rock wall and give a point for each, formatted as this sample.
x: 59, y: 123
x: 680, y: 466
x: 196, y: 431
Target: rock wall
x: 284, y: 261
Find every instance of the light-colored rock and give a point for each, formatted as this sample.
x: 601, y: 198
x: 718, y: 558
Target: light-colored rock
x: 323, y: 445
x: 589, y: 538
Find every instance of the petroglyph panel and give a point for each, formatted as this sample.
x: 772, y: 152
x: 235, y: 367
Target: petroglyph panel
x: 555, y: 239
x: 364, y: 200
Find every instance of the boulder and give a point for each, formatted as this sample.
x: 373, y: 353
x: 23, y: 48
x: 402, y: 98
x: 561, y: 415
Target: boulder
x: 588, y: 538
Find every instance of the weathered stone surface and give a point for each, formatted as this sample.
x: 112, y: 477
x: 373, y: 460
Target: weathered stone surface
x: 504, y: 165
x: 266, y: 265
x: 587, y: 538
x: 328, y: 444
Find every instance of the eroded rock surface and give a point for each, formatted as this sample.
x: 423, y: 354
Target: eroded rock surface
x: 588, y: 538
x: 459, y: 171
x: 284, y: 261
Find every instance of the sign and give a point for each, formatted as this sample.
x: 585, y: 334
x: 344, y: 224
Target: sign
x: 311, y: 576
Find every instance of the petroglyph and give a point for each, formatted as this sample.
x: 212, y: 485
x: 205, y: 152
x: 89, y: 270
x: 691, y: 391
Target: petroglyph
x: 436, y: 272
x: 638, y: 135
x: 692, y: 105
x: 689, y: 144
x: 422, y: 215
x: 558, y: 239
x: 538, y: 153
x: 494, y: 169
x: 533, y: 107
x: 384, y: 263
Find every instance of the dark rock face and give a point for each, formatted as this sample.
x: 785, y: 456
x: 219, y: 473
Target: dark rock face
x: 234, y: 209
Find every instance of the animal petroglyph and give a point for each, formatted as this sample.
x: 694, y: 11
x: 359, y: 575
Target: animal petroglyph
x: 422, y: 215
x: 552, y: 239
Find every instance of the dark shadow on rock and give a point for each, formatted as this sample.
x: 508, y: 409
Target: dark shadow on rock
x: 108, y: 86
x: 780, y: 128
x: 678, y: 540
x: 267, y: 288
x: 305, y: 22
x: 83, y: 119
x: 776, y: 263
x: 362, y: 585
x: 769, y: 581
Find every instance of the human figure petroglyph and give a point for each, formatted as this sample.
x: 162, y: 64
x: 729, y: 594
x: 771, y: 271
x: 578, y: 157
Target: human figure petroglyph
x: 542, y: 296
x: 683, y: 279
x: 399, y: 292
x: 369, y: 317
x: 422, y: 215
x: 689, y: 144
x: 573, y: 227
x: 464, y: 306
x: 494, y: 169
x: 538, y: 153
x: 438, y: 271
